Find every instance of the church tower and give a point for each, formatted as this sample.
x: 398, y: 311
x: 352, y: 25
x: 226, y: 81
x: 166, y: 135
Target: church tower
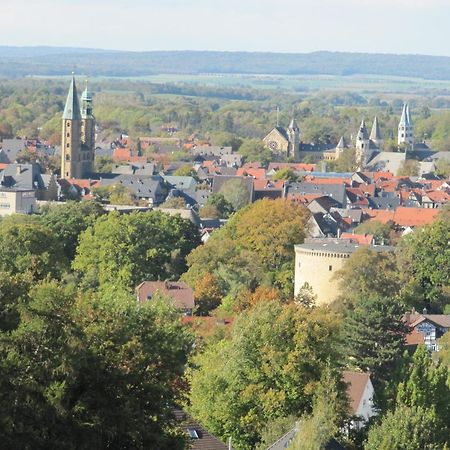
x: 87, y: 133
x: 71, y: 135
x: 362, y: 145
x: 293, y: 132
x: 406, y: 129
x: 375, y: 134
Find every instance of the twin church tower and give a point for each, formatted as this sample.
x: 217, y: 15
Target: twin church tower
x: 78, y: 135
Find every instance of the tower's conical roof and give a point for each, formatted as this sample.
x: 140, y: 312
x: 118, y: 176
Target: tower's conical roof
x: 87, y: 94
x: 341, y: 143
x: 293, y: 125
x: 408, y: 115
x: 362, y: 133
x: 72, y: 108
x: 375, y: 134
x: 404, y: 120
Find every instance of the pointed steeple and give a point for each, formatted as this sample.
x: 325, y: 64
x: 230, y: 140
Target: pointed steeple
x: 86, y: 102
x: 375, y: 134
x: 72, y: 108
x: 293, y: 125
x: 408, y: 115
x: 404, y: 119
x: 341, y: 144
x: 362, y: 133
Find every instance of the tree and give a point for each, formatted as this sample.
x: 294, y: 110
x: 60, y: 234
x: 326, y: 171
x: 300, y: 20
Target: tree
x: 255, y: 247
x: 68, y: 221
x: 285, y: 174
x: 444, y: 349
x: 174, y: 203
x: 29, y: 247
x: 443, y: 168
x: 368, y: 273
x: 185, y: 171
x: 373, y: 337
x: 128, y: 249
x: 405, y: 428
x: 409, y: 168
x: 255, y: 150
x: 208, y: 295
x: 380, y: 231
x: 222, y: 207
x: 85, y: 372
x: 268, y: 369
x: 236, y: 193
x: 424, y: 260
x: 330, y: 408
x: 427, y: 387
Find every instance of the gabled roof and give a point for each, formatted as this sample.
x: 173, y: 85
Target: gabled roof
x: 356, y: 385
x: 180, y: 292
x: 72, y: 108
x: 203, y: 440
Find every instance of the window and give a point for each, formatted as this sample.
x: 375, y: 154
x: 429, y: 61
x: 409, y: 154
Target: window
x: 330, y: 268
x: 5, y: 205
x: 192, y: 433
x: 68, y: 134
x: 68, y: 124
x: 68, y: 145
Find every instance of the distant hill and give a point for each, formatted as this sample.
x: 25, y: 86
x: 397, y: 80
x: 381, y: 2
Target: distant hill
x: 23, y: 61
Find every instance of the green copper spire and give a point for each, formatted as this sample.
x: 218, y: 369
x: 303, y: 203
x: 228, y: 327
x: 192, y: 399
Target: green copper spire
x: 86, y: 102
x: 72, y: 109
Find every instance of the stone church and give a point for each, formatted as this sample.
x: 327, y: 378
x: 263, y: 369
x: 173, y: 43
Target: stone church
x: 78, y: 135
x: 285, y: 141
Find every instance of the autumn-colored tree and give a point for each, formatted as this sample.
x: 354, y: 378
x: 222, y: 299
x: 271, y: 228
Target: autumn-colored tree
x: 208, y: 294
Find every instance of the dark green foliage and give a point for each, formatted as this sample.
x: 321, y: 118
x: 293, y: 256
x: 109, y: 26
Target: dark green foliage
x: 68, y: 221
x: 128, y: 249
x: 26, y: 246
x: 269, y: 369
x: 90, y: 372
x: 373, y: 336
x: 420, y: 418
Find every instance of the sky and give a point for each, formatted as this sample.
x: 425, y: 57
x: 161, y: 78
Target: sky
x: 298, y: 26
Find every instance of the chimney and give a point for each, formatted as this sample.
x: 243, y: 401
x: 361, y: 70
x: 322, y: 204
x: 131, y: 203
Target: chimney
x: 425, y: 311
x: 18, y: 169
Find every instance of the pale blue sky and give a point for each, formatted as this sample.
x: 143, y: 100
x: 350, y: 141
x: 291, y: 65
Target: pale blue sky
x: 388, y: 26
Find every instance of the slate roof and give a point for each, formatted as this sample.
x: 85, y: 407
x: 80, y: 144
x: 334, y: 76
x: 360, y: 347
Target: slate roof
x: 375, y: 134
x: 204, y: 440
x: 142, y: 186
x: 23, y: 176
x: 72, y: 108
x: 386, y: 161
x: 335, y: 191
x: 10, y: 149
x: 331, y: 245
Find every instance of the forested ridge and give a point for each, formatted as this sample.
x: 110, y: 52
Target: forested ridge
x: 15, y: 62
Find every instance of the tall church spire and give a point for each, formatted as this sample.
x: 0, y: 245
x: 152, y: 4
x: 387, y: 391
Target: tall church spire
x: 375, y: 134
x: 405, y: 129
x: 72, y: 108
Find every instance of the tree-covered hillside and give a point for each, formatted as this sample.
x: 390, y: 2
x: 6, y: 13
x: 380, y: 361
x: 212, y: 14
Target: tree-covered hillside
x: 19, y: 61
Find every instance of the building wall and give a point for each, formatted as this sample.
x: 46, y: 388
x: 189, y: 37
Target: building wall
x: 282, y: 143
x: 20, y: 202
x: 366, y: 408
x: 71, y: 149
x: 318, y: 269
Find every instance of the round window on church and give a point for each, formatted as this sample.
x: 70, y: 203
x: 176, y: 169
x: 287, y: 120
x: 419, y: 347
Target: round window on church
x: 273, y: 145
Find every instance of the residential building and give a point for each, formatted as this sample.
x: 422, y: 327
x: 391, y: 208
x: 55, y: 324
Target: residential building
x: 360, y: 393
x: 179, y: 291
x: 430, y: 326
x: 17, y: 201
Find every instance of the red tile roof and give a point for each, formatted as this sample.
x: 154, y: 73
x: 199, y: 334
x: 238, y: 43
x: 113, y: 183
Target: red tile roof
x: 405, y: 217
x: 294, y: 166
x: 258, y: 174
x: 362, y: 239
x: 181, y: 293
x: 260, y: 185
